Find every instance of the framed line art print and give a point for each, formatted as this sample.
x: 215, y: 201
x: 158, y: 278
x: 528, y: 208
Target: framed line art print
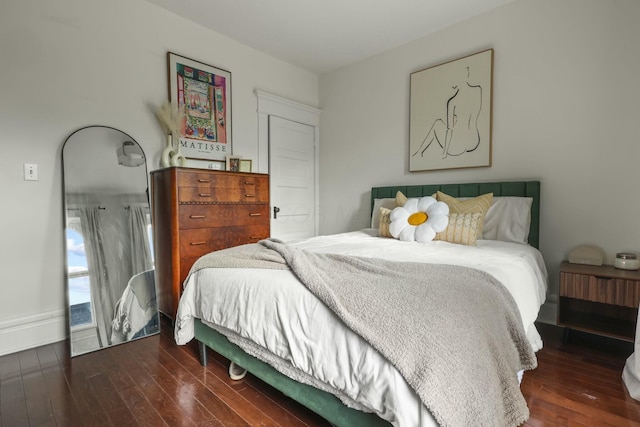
x: 450, y: 114
x: 205, y: 93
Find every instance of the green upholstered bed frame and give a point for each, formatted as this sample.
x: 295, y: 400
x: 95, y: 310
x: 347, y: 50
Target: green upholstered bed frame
x: 499, y: 189
x: 325, y: 404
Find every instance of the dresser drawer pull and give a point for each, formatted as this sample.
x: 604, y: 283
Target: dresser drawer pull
x: 204, y: 194
x: 255, y: 214
x: 203, y: 180
x: 255, y: 237
x: 197, y: 216
x: 197, y: 243
x: 249, y: 195
x: 249, y: 183
x: 603, y: 278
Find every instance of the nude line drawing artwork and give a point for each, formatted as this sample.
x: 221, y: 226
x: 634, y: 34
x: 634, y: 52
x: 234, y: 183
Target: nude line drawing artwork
x: 458, y: 132
x: 450, y: 114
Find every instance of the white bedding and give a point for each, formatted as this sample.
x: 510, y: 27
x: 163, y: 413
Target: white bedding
x: 136, y: 308
x: 300, y: 331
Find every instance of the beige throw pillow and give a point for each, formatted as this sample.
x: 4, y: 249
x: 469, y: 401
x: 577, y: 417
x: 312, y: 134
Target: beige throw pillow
x: 480, y: 204
x: 385, y: 220
x: 388, y: 203
x: 463, y: 228
x: 401, y: 199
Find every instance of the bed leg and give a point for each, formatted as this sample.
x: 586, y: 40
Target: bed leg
x: 236, y: 372
x: 202, y: 349
x: 566, y: 335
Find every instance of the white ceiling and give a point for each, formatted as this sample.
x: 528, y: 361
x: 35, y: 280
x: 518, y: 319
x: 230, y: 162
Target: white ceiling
x: 324, y: 35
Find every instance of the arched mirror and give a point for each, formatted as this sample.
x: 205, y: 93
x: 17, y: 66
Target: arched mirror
x: 109, y: 253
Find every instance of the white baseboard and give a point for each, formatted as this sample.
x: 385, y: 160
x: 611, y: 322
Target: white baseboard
x: 32, y: 331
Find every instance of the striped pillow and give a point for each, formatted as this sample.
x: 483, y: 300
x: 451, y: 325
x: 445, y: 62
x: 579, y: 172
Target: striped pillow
x: 480, y: 204
x: 463, y: 228
x: 385, y: 220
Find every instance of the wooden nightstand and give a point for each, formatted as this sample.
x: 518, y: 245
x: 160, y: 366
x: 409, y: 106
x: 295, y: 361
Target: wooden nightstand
x: 600, y: 300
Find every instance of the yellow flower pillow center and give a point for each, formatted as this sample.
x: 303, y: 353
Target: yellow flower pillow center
x: 417, y: 218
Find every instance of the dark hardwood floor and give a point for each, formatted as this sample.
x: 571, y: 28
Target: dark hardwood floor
x: 580, y: 383
x: 153, y: 382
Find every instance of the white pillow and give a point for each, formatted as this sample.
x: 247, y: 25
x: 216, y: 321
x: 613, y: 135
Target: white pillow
x: 508, y: 219
x: 389, y: 203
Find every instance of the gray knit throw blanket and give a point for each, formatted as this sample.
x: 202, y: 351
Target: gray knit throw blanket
x: 454, y: 333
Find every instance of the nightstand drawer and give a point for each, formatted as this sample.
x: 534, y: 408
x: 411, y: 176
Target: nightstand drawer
x: 601, y: 289
x: 201, y: 216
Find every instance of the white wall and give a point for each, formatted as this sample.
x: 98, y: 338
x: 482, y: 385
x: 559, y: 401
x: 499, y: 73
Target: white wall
x: 565, y: 111
x: 71, y: 63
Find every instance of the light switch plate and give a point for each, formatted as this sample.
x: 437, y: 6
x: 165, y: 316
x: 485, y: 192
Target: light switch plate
x: 30, y: 172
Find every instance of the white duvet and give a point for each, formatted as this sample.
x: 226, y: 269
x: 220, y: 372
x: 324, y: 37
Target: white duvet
x: 270, y: 309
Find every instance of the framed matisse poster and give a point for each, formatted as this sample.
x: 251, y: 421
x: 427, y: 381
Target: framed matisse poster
x: 450, y: 114
x: 204, y: 92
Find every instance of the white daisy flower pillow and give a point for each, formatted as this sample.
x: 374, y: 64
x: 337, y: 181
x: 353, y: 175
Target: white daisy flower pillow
x: 419, y: 220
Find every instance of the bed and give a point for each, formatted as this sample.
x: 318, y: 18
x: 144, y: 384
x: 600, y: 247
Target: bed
x: 313, y: 380
x: 136, y: 312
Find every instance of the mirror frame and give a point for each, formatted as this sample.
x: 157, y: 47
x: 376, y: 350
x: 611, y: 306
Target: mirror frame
x: 139, y: 288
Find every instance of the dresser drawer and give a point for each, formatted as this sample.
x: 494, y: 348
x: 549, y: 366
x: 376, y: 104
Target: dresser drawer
x: 248, y: 194
x: 201, y: 216
x: 199, y: 241
x: 607, y: 290
x: 195, y: 178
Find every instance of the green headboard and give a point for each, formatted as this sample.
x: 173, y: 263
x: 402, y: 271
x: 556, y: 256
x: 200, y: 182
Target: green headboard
x: 510, y: 188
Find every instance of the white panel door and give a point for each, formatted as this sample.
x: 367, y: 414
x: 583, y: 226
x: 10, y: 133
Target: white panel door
x: 292, y: 175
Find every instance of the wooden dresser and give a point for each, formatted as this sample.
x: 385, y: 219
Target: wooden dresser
x: 197, y: 211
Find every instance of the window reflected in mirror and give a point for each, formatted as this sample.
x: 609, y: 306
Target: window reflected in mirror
x: 80, y: 304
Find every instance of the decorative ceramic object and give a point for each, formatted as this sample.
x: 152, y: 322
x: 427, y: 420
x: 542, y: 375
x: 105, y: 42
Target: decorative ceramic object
x: 170, y: 118
x: 626, y: 261
x: 177, y: 159
x: 165, y: 157
x: 172, y: 155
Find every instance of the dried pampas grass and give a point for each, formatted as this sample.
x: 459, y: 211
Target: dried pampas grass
x: 170, y: 118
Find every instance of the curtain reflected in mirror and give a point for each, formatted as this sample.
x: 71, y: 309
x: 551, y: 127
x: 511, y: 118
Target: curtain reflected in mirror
x: 109, y: 252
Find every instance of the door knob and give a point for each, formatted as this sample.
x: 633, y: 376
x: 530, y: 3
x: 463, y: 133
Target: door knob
x: 275, y: 212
